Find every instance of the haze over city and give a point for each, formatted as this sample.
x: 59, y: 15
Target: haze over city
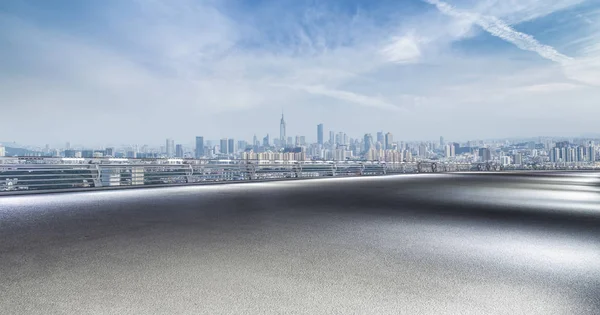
x: 115, y: 72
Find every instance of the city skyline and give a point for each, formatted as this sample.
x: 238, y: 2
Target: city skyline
x: 312, y: 137
x: 95, y: 72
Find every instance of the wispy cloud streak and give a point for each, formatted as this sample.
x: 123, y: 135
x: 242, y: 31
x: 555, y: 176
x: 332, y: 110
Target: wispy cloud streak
x: 500, y: 29
x: 342, y: 95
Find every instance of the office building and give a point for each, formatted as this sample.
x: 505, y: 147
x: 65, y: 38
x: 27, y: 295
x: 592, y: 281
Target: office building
x: 389, y: 139
x: 170, y: 147
x: 368, y: 142
x: 320, y: 134
x: 518, y: 159
x: 423, y: 152
x: 231, y: 146
x: 179, y: 151
x: 485, y: 154
x: 199, y: 147
x: 109, y: 152
x: 380, y: 137
x: 223, y: 146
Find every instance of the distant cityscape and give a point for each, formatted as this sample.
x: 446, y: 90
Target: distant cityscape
x: 339, y: 147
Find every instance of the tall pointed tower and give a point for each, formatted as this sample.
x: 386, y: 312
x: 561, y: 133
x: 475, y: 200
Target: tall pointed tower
x: 282, y: 137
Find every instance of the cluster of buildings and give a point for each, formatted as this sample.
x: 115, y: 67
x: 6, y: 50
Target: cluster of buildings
x: 338, y: 146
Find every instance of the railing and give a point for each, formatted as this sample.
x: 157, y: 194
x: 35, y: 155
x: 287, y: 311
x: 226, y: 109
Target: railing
x: 44, y: 177
x: 36, y: 177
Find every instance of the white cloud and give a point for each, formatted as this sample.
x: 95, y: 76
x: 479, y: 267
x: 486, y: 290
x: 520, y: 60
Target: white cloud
x: 190, y: 69
x: 351, y: 97
x: 551, y: 87
x: 584, y: 70
x: 502, y: 30
x: 404, y: 49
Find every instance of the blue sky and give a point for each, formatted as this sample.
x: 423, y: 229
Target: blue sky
x: 139, y: 71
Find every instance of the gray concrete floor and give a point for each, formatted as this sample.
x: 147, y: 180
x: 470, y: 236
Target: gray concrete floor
x: 425, y: 244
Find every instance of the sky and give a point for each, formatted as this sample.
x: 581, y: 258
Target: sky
x: 140, y: 71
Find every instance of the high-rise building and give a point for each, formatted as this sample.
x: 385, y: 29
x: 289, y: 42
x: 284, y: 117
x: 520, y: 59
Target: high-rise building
x: 2, y: 151
x: 518, y: 159
x: 368, y: 142
x: 170, y: 148
x: 580, y: 154
x: 88, y: 154
x: 389, y: 139
x: 442, y: 142
x: 223, y: 146
x: 266, y: 141
x: 109, y: 152
x: 448, y: 150
x: 290, y: 142
x: 423, y: 150
x: 68, y: 146
x: 320, y: 134
x: 341, y: 138
x: 591, y: 154
x: 231, y: 146
x: 242, y: 145
x: 331, y: 137
x: 485, y: 154
x: 179, y: 151
x: 380, y: 137
x: 282, y: 135
x: 199, y: 147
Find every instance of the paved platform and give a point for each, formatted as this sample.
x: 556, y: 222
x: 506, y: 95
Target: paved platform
x: 407, y: 244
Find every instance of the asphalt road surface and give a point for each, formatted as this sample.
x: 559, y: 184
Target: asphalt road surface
x: 409, y: 244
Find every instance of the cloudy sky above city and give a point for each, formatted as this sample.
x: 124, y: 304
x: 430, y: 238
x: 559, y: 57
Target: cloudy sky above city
x: 140, y: 71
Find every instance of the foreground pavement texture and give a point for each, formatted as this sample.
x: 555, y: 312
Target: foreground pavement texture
x: 409, y: 244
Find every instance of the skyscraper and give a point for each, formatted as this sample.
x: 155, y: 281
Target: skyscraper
x: 266, y: 141
x: 389, y: 139
x: 591, y: 153
x: 485, y: 154
x: 320, y: 134
x: 109, y: 152
x: 442, y: 142
x: 231, y: 146
x: 223, y: 146
x: 332, y: 137
x: 282, y: 136
x: 170, y: 148
x: 179, y: 151
x: 368, y: 142
x: 380, y: 137
x: 199, y: 147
